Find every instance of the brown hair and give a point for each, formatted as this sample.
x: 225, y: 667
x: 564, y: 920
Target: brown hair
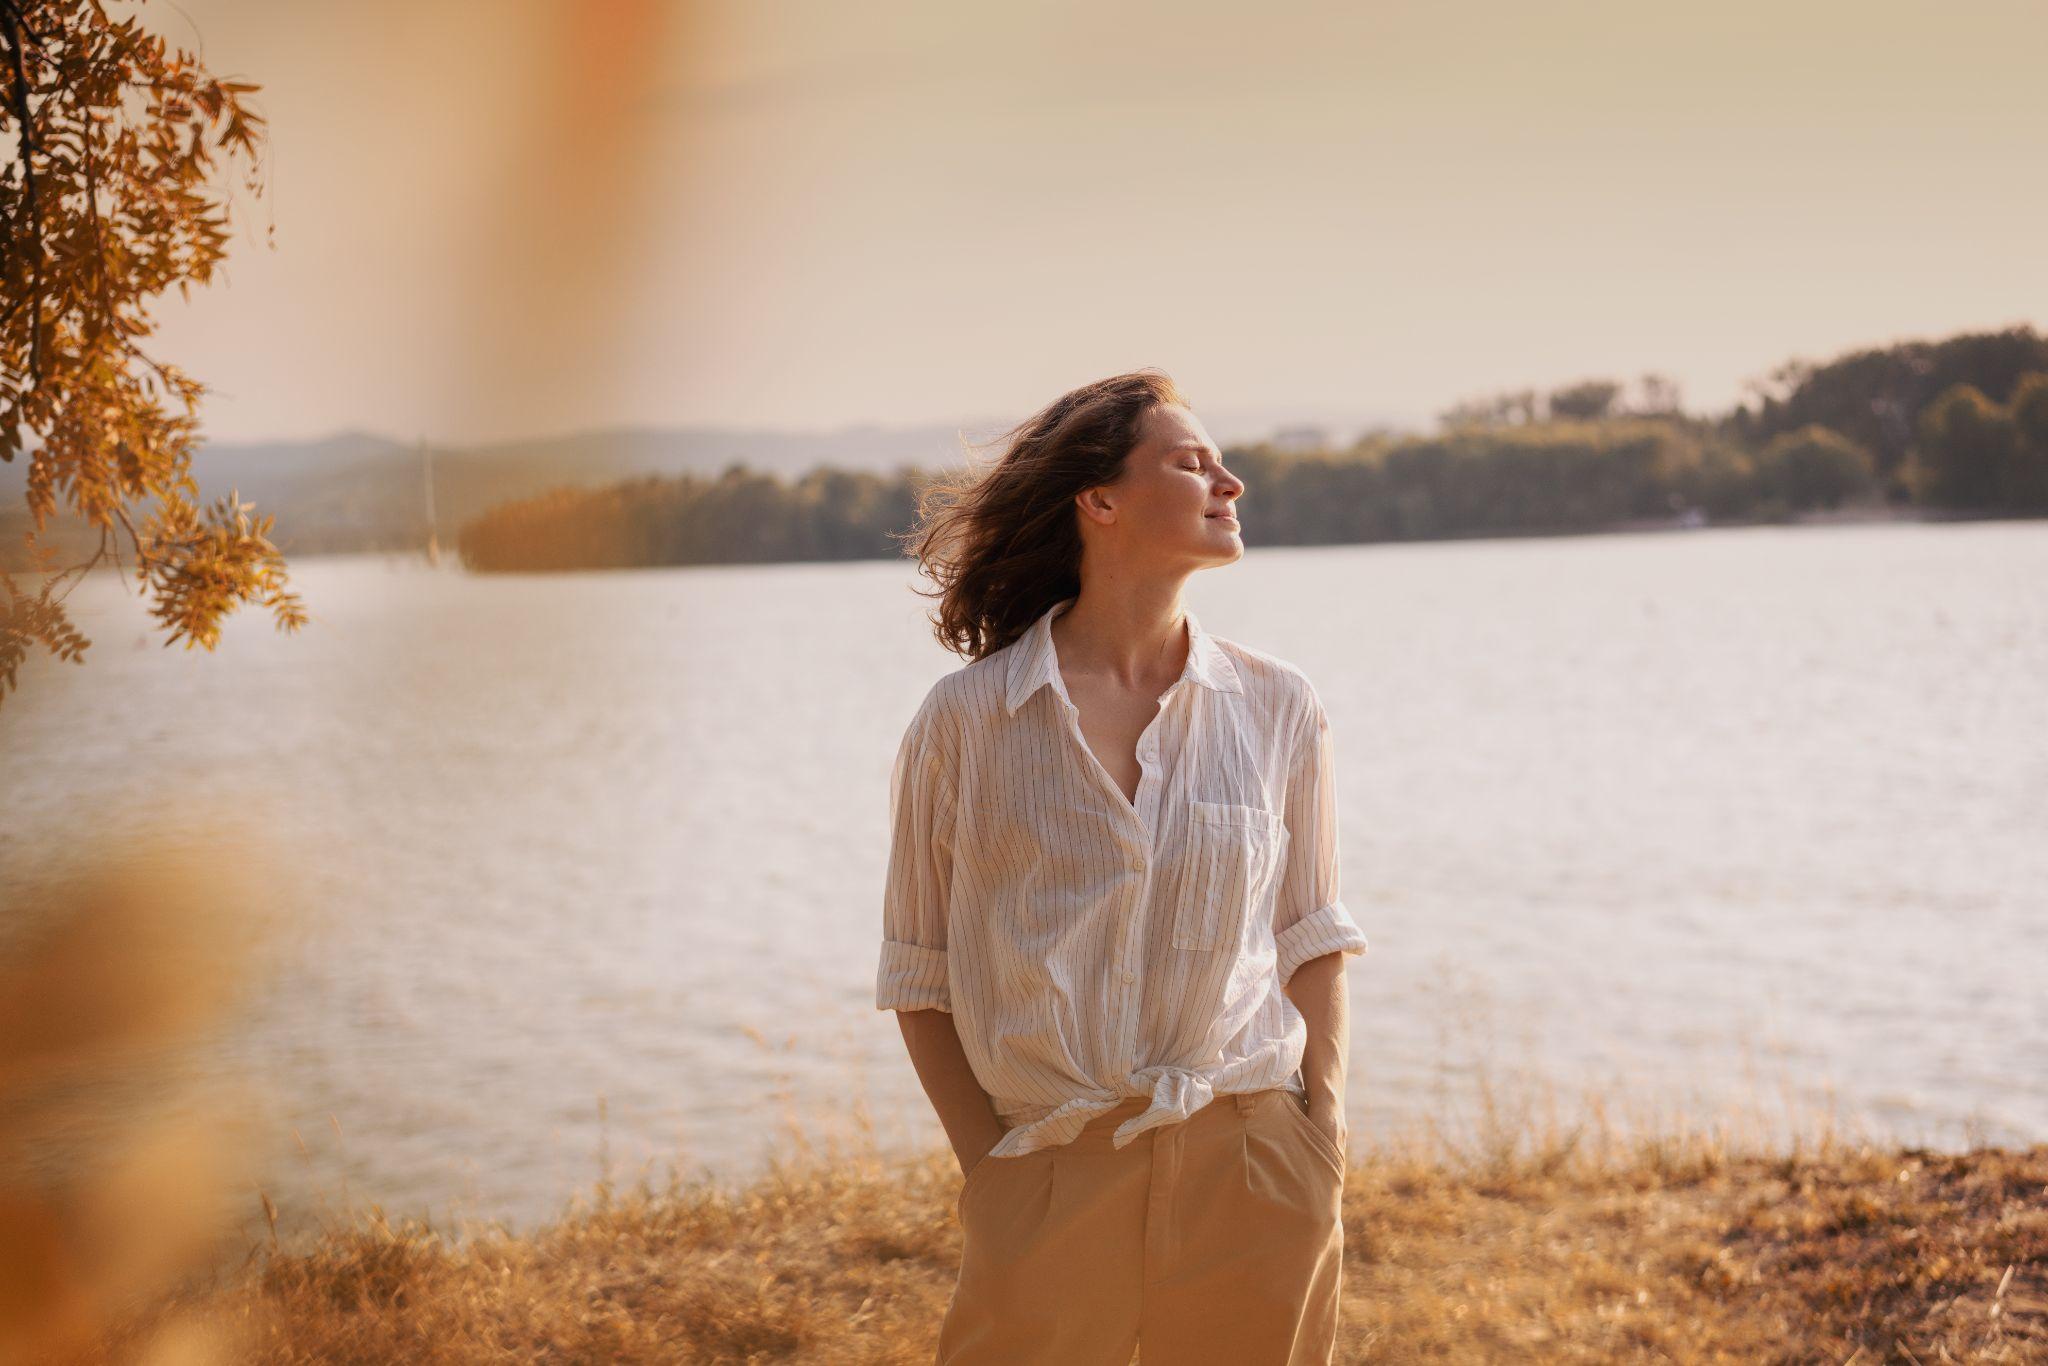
x: 1003, y: 543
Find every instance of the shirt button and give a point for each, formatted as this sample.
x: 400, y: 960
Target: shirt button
x: 1130, y: 977
x: 1137, y: 865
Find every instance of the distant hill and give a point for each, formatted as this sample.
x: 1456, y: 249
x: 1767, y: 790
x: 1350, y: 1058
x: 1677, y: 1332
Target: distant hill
x: 362, y: 491
x: 359, y: 490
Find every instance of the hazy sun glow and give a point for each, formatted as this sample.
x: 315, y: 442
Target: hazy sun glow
x: 534, y: 216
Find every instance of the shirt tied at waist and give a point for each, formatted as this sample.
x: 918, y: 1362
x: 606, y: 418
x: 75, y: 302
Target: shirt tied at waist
x: 1176, y: 1093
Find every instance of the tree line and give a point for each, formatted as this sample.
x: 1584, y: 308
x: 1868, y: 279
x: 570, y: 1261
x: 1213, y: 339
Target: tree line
x: 1957, y: 426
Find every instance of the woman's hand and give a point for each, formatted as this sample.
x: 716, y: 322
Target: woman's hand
x: 1328, y: 1115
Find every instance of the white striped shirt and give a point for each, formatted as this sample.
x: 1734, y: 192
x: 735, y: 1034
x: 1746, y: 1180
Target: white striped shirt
x: 1092, y: 947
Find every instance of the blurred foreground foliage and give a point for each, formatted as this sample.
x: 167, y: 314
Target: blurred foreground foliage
x: 121, y: 1167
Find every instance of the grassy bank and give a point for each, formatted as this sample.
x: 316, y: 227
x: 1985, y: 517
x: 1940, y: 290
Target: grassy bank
x: 1507, y: 1227
x: 1526, y: 1243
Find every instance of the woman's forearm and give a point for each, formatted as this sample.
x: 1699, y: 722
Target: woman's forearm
x: 1318, y: 989
x: 964, y: 1109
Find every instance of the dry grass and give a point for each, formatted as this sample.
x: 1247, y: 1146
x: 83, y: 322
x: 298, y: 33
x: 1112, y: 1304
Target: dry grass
x: 1512, y: 1242
x: 1504, y: 1234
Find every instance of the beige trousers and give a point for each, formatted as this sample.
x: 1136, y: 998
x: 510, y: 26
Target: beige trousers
x: 1214, y: 1239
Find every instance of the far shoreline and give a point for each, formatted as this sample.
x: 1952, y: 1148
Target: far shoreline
x: 1870, y: 515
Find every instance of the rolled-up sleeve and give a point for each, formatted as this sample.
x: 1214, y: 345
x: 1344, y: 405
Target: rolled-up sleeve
x: 912, y: 974
x: 1309, y: 920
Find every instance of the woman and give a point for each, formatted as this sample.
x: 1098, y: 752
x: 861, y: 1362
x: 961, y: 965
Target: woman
x: 1111, y: 928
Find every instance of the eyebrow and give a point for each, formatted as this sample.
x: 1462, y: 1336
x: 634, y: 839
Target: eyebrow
x: 1193, y: 445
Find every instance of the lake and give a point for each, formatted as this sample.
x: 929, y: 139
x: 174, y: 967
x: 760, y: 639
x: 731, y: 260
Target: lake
x: 1695, y: 816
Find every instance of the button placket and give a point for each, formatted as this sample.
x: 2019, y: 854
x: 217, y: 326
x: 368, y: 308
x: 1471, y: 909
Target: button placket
x: 1146, y: 810
x: 1144, y: 814
x: 1141, y: 865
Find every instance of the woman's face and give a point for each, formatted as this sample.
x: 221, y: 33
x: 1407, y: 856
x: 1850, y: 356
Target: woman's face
x: 1174, y: 500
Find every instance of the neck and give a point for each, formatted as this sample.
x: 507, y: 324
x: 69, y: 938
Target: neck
x: 1134, y: 637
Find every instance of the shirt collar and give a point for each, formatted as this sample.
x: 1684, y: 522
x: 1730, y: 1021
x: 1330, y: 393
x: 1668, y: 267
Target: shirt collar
x: 1034, y: 663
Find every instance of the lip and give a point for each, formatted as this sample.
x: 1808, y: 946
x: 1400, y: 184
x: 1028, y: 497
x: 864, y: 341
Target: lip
x: 1229, y: 517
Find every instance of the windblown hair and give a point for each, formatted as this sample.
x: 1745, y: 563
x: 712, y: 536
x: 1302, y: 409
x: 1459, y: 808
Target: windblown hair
x: 1004, y: 542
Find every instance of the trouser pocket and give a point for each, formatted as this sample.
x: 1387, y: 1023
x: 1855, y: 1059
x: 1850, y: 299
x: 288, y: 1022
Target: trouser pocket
x: 1315, y: 1132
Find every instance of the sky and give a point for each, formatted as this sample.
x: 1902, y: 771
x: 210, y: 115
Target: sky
x: 484, y: 222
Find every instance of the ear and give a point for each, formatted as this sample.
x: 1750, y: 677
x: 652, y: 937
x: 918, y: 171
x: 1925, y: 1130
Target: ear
x: 1094, y: 504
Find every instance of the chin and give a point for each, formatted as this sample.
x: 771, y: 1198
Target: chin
x: 1229, y: 554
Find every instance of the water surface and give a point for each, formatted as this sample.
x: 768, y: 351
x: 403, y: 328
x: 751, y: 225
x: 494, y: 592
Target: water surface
x: 1683, y: 814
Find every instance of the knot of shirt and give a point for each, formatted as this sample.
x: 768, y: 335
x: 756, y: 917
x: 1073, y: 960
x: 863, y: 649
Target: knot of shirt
x: 1176, y: 1094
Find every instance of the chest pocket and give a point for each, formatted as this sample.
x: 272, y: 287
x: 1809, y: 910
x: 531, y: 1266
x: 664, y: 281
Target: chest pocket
x: 1233, y: 854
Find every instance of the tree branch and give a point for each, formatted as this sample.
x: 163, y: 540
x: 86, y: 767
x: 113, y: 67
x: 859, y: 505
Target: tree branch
x: 11, y: 25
